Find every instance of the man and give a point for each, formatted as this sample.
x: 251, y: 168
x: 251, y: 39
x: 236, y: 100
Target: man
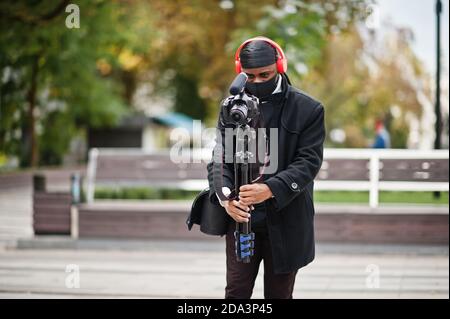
x: 280, y: 207
x: 382, y: 137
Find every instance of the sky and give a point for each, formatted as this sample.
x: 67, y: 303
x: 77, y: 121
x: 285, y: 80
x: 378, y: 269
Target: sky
x: 419, y: 15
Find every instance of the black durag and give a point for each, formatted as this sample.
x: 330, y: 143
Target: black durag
x: 257, y: 54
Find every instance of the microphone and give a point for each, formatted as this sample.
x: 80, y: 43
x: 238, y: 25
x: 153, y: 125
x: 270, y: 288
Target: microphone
x: 238, y: 83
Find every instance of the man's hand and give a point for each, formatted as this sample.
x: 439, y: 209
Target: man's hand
x: 254, y: 194
x: 237, y: 211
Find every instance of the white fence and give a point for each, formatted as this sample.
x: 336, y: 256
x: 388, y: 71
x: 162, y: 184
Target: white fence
x: 373, y: 184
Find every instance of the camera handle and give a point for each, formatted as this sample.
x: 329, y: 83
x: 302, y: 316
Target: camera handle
x: 244, y: 237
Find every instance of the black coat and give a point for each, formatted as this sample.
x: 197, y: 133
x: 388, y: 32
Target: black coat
x: 290, y: 214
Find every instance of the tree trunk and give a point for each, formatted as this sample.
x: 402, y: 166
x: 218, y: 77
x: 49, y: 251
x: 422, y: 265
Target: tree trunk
x: 31, y: 97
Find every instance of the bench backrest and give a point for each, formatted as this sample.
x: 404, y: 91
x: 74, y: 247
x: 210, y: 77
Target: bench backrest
x: 134, y: 167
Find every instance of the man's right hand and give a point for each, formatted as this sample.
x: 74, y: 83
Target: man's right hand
x: 239, y: 212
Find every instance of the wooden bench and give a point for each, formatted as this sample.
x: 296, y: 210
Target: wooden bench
x: 355, y: 170
x: 52, y: 210
x: 333, y: 223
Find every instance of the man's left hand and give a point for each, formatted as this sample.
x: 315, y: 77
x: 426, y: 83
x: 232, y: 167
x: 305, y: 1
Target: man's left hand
x: 254, y: 193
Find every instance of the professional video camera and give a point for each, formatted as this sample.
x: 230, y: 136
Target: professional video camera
x: 240, y: 108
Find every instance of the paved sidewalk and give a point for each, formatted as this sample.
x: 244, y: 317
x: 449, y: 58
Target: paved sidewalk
x: 194, y: 269
x: 15, y: 214
x: 34, y: 268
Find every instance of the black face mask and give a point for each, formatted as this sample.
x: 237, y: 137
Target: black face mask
x: 262, y: 89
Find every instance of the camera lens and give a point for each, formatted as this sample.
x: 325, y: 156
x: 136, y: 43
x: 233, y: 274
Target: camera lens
x: 236, y: 117
x: 239, y: 113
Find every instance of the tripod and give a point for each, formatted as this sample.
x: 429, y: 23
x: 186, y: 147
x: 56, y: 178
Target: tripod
x: 244, y: 237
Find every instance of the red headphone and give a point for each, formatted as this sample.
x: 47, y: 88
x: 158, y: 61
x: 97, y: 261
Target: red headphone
x: 281, y: 58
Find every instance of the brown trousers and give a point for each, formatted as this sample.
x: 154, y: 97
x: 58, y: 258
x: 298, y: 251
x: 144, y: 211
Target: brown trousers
x: 241, y: 277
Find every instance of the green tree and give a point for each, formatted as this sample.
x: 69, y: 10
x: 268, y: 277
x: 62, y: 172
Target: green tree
x: 193, y: 56
x: 55, y: 78
x: 362, y: 80
x: 47, y: 65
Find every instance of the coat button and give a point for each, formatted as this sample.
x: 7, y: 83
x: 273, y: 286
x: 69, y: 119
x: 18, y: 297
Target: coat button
x: 294, y: 185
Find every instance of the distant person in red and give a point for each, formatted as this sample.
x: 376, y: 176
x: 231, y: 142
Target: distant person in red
x: 382, y: 138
